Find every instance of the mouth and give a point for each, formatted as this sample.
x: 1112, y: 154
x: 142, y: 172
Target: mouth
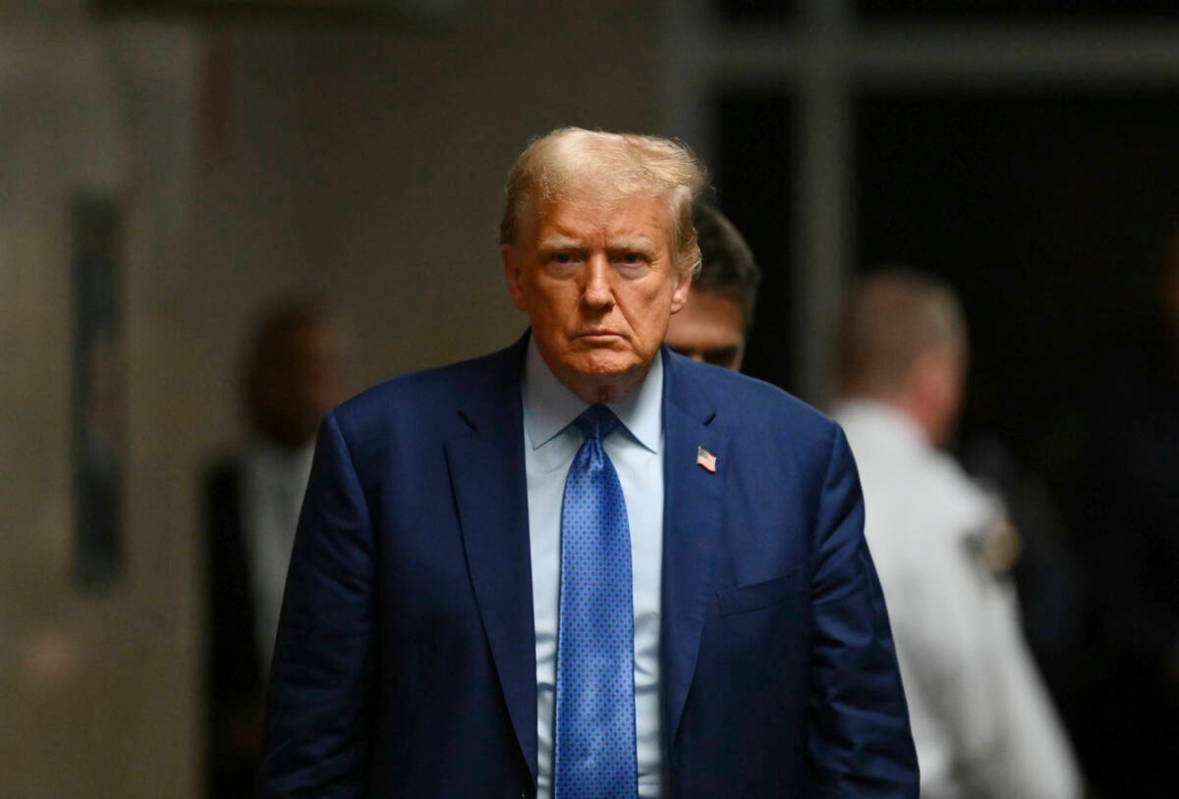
x: 598, y: 336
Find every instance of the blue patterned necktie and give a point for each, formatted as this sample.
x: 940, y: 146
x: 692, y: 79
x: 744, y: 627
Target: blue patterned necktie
x: 595, y: 741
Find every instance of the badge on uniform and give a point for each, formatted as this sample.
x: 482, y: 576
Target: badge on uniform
x: 995, y: 548
x: 706, y: 459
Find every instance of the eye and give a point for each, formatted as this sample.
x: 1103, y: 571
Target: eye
x: 631, y: 261
x: 562, y: 261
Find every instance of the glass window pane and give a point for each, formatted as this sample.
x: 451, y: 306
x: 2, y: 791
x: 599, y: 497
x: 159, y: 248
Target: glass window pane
x: 754, y: 11
x: 753, y: 175
x: 1048, y: 213
x: 1012, y: 10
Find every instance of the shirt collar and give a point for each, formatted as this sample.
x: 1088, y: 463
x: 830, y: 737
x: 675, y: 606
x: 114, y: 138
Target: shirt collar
x: 550, y: 407
x: 884, y: 418
x: 271, y: 458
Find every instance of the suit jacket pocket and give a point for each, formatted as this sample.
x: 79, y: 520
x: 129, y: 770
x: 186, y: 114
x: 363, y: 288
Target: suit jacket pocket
x: 765, y: 594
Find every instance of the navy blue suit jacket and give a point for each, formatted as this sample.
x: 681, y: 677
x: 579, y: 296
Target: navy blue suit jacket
x: 405, y: 661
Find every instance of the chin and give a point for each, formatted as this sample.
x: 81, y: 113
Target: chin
x: 604, y: 363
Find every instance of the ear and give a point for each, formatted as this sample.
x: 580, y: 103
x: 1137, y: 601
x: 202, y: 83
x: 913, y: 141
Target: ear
x: 926, y: 379
x: 679, y: 294
x: 513, y: 265
x: 935, y: 386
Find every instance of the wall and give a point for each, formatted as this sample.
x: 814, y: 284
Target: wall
x: 371, y: 164
x: 366, y: 164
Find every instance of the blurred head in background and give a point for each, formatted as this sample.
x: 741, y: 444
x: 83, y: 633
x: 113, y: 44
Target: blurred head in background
x: 903, y: 342
x: 712, y: 325
x: 598, y: 248
x: 295, y: 372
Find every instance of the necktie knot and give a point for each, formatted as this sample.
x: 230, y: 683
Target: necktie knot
x: 597, y: 422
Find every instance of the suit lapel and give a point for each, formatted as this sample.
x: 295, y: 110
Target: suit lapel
x: 488, y: 479
x: 692, y: 524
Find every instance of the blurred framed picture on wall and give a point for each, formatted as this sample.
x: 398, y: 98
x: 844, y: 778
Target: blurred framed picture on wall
x: 98, y: 413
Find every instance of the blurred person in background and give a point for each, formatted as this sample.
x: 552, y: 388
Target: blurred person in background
x: 1054, y: 603
x: 982, y: 720
x: 1127, y: 505
x: 294, y: 374
x: 712, y: 325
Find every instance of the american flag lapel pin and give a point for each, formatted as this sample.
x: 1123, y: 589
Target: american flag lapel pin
x: 706, y: 459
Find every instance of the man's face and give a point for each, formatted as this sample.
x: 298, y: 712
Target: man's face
x: 937, y: 385
x: 710, y: 328
x: 301, y: 378
x: 598, y: 282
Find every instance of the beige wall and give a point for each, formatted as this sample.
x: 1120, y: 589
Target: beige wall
x: 97, y: 687
x: 371, y: 165
x: 366, y: 164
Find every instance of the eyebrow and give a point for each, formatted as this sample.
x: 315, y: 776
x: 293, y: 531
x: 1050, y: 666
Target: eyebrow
x: 559, y: 243
x: 641, y: 244
x: 634, y: 243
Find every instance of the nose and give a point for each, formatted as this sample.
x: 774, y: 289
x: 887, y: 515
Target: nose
x: 598, y: 293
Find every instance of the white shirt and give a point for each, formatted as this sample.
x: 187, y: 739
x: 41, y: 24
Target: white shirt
x: 550, y: 444
x: 981, y: 718
x: 273, y: 483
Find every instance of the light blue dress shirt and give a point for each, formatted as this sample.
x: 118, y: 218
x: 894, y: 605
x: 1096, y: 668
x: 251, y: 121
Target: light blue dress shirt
x: 550, y: 444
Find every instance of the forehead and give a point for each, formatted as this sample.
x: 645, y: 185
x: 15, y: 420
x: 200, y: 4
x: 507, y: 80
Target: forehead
x: 593, y: 216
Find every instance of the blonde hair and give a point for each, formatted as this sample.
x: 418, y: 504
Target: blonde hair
x: 610, y: 166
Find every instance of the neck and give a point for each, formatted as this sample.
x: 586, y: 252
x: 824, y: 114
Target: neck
x: 930, y: 419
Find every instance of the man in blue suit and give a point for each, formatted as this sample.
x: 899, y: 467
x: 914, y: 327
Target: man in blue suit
x: 584, y: 566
